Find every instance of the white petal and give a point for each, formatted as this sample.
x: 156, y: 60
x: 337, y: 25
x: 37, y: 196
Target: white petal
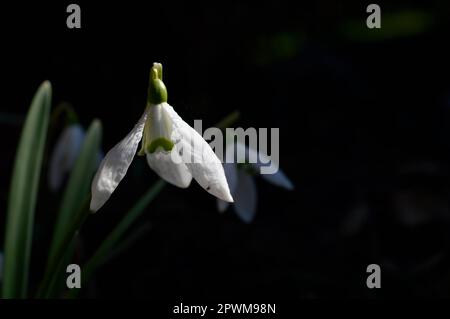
x: 173, y: 171
x: 64, y: 155
x: 201, y: 160
x: 278, y: 179
x: 115, y: 165
x: 245, y: 197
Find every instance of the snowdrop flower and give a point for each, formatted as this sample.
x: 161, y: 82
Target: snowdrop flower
x: 240, y: 177
x: 173, y: 149
x: 64, y: 155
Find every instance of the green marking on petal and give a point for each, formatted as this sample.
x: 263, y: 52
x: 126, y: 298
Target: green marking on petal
x: 166, y: 144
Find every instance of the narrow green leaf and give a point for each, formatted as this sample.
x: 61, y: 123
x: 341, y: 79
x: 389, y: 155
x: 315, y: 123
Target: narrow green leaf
x: 78, y: 185
x: 23, y: 195
x: 228, y: 120
x: 58, y: 281
x: 72, y: 210
x: 55, y: 264
x: 123, y: 245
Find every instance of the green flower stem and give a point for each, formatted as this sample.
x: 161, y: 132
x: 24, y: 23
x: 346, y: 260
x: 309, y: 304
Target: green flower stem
x: 129, y: 218
x: 228, y: 120
x: 137, y: 233
x: 57, y: 283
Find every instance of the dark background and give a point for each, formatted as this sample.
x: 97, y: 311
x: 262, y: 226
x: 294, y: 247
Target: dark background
x: 363, y: 117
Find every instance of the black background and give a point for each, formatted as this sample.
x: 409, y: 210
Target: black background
x: 362, y: 122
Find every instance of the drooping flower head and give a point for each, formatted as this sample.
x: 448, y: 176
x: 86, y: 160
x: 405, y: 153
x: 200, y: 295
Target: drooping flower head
x: 173, y: 149
x: 67, y: 146
x: 241, y: 178
x: 64, y: 155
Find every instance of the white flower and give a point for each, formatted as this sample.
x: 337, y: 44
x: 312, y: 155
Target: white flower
x: 242, y: 185
x: 64, y: 155
x: 174, y: 150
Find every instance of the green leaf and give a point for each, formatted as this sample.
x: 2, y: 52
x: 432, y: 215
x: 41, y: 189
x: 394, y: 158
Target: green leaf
x: 229, y: 120
x: 123, y: 245
x: 73, y: 210
x: 78, y: 185
x: 23, y: 195
x: 58, y: 281
x: 55, y: 265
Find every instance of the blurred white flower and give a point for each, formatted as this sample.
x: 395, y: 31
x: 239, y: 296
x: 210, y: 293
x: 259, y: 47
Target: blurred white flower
x: 65, y: 154
x: 167, y: 141
x: 242, y: 184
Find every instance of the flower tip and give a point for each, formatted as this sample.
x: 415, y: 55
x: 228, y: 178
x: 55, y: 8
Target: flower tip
x: 290, y: 186
x: 222, y: 192
x: 228, y: 198
x: 94, y: 206
x: 46, y: 85
x: 46, y: 88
